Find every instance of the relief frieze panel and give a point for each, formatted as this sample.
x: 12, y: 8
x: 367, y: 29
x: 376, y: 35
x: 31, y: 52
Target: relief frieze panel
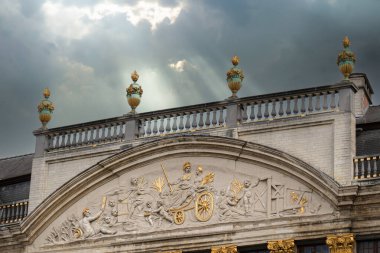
x: 188, y: 196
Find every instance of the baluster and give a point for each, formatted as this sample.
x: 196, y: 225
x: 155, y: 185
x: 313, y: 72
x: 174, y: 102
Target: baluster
x: 181, y: 126
x: 174, y: 125
x: 26, y: 208
x: 238, y: 114
x: 318, y: 102
x: 252, y: 114
x: 288, y: 111
x: 244, y: 115
x: 187, y: 124
x: 356, y: 169
x: 50, y: 141
x: 85, y: 136
x: 259, y: 115
x: 161, y: 129
x: 121, y: 136
x: 114, y: 127
x: 266, y: 112
x: 68, y: 140
x: 374, y: 166
x: 167, y: 128
x: 332, y: 102
x: 103, y: 135
x: 109, y: 133
x: 194, y: 123
x: 97, y: 133
x: 303, y: 107
x: 214, y: 121
x: 221, y: 119
x: 148, y: 129
x: 142, y: 128
x: 369, y: 172
x: 74, y: 140
x: 324, y: 103
x: 310, y: 103
x: 91, y: 133
x: 63, y: 140
x: 155, y: 130
x: 17, y: 212
x: 274, y: 113
x: 295, y: 107
x: 281, y: 109
x: 362, y: 168
x: 207, y: 123
x: 201, y: 122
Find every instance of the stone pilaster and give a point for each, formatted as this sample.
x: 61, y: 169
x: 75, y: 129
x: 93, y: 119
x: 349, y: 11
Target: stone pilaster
x: 224, y: 249
x: 342, y: 243
x: 282, y: 246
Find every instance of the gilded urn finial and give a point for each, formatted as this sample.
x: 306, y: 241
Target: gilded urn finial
x: 346, y: 59
x: 45, y: 108
x: 134, y: 92
x: 235, y: 77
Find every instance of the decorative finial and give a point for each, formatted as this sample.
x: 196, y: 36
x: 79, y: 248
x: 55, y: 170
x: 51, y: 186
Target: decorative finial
x: 235, y: 60
x: 346, y: 59
x: 135, y: 76
x: 235, y: 77
x: 45, y: 108
x: 134, y: 92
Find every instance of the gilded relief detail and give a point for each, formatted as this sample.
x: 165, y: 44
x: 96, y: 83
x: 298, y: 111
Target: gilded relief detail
x: 224, y: 249
x: 282, y: 246
x: 343, y: 243
x: 156, y: 201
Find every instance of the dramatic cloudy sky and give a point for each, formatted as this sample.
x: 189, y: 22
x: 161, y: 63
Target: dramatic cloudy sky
x: 85, y: 51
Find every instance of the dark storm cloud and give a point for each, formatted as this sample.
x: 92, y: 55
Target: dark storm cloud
x: 86, y: 61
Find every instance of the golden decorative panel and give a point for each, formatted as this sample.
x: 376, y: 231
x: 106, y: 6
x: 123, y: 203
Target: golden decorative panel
x: 341, y: 243
x: 281, y: 246
x: 224, y: 249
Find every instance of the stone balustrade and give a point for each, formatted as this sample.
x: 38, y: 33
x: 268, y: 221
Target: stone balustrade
x: 13, y: 212
x: 367, y: 167
x: 204, y: 118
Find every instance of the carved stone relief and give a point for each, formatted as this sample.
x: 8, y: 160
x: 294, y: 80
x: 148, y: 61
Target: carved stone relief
x: 154, y: 201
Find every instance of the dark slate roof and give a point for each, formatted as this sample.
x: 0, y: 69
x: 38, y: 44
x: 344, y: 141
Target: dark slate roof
x: 372, y: 116
x: 16, y: 166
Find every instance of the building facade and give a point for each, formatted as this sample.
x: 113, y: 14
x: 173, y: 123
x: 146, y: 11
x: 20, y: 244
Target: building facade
x: 283, y: 172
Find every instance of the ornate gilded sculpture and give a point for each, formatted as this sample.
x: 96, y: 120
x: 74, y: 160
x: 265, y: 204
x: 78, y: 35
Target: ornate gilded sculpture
x: 134, y: 92
x: 235, y: 77
x: 346, y: 59
x: 152, y: 202
x: 45, y: 109
x: 343, y: 243
x: 282, y: 246
x: 224, y: 249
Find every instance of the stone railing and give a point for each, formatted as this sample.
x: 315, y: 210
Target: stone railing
x: 13, y: 212
x: 198, y: 118
x: 367, y: 167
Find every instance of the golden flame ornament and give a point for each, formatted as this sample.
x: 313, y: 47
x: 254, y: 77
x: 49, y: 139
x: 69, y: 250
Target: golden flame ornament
x: 235, y: 77
x: 346, y: 59
x: 45, y: 108
x: 134, y: 92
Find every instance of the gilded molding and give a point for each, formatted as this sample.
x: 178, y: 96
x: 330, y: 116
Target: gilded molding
x: 224, y: 249
x: 341, y: 243
x: 282, y: 246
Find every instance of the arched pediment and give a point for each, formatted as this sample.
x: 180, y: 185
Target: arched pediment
x: 181, y: 184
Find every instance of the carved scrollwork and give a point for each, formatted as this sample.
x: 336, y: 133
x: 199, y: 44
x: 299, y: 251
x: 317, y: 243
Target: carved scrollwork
x: 281, y: 246
x: 342, y: 243
x: 224, y: 249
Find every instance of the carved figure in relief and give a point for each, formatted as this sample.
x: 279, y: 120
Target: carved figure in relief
x: 135, y: 195
x: 88, y: 228
x: 184, y: 186
x: 162, y: 213
x: 148, y: 212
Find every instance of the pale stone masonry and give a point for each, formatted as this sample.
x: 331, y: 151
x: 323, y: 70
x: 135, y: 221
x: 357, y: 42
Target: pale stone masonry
x: 225, y: 175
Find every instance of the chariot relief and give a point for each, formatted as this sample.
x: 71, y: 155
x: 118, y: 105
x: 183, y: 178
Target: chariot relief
x: 154, y: 201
